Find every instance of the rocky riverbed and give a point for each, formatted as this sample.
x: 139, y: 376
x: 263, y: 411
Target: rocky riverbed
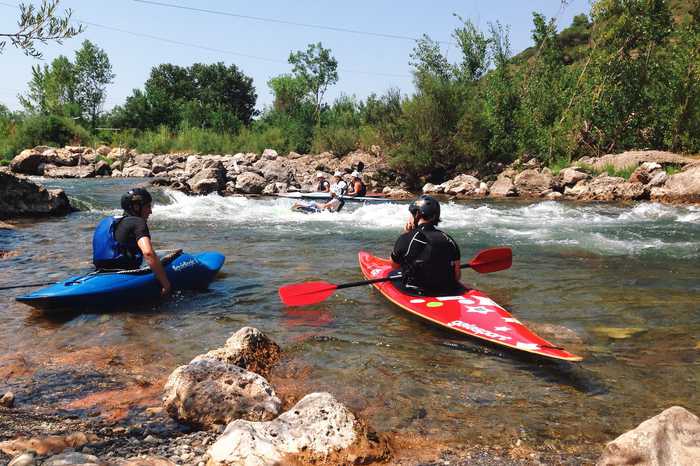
x: 630, y: 176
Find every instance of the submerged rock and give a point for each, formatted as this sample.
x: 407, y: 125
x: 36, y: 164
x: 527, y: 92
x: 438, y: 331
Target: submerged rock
x: 73, y: 458
x: 671, y: 438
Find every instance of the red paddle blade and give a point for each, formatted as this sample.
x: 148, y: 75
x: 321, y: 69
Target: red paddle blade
x: 303, y: 294
x: 492, y: 260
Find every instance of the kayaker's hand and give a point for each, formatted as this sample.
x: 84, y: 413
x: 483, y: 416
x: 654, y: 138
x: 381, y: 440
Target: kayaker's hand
x: 410, y: 225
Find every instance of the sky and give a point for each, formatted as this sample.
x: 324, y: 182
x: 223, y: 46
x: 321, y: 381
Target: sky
x: 258, y: 36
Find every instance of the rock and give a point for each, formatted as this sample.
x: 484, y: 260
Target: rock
x: 116, y: 174
x: 430, y: 188
x: 532, y: 183
x: 554, y: 195
x: 7, y: 400
x: 208, y: 180
x: 269, y: 154
x: 161, y: 163
x: 274, y: 188
x: 281, y: 170
x: 670, y: 438
x: 143, y: 160
x: 50, y: 445
x: 143, y: 461
x: 658, y: 179
x: 136, y: 172
x: 245, y: 159
x: 600, y: 188
x: 635, y: 158
x: 397, y: 193
x: 569, y: 177
x: 122, y: 154
x: 681, y: 187
x: 102, y: 168
x: 317, y: 425
x: 631, y: 191
x: 249, y: 349
x: 76, y: 149
x: 503, y: 186
x: 293, y: 155
x: 22, y: 197
x: 644, y: 172
x: 63, y: 157
x: 27, y: 162
x: 25, y: 459
x: 250, y: 183
x: 207, y: 392
x: 72, y: 458
x: 117, y: 165
x: 83, y: 171
x: 6, y: 226
x: 461, y: 185
x: 104, y: 150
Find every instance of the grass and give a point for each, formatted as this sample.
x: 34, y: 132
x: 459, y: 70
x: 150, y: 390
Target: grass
x: 559, y: 164
x: 608, y: 169
x: 673, y: 169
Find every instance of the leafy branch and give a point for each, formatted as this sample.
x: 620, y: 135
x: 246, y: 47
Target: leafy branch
x: 40, y: 24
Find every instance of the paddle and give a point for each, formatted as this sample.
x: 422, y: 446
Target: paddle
x: 31, y: 285
x: 304, y: 294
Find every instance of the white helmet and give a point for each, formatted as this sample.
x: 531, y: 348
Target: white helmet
x: 320, y: 175
x: 356, y: 174
x: 338, y: 173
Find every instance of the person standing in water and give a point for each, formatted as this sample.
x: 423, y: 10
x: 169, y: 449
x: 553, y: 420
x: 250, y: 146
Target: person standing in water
x: 122, y: 243
x: 428, y: 257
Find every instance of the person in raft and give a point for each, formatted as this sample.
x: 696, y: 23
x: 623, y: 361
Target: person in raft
x: 334, y: 205
x: 357, y: 186
x: 121, y: 243
x: 428, y: 257
x: 339, y: 185
x: 323, y: 185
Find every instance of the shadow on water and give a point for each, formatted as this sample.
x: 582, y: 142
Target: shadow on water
x: 558, y: 372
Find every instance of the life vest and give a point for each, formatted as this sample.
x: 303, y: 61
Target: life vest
x: 107, y: 252
x: 362, y: 191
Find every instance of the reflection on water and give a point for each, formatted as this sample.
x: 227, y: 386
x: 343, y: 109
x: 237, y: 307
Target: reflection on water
x: 616, y: 284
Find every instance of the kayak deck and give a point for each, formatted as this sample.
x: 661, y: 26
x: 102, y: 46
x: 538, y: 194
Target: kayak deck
x: 471, y: 313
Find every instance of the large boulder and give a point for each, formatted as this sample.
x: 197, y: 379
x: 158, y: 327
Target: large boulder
x: 568, y: 177
x: 503, y: 186
x: 464, y: 185
x: 250, y: 183
x: 671, y: 438
x: 645, y: 172
x: 161, y: 163
x: 27, y: 162
x: 269, y: 154
x: 600, y: 188
x: 135, y: 171
x: 637, y: 157
x: 102, y: 168
x: 249, y: 349
x: 430, y: 188
x: 209, y: 180
x: 532, y: 182
x: 209, y: 392
x: 681, y: 187
x: 279, y: 169
x: 143, y: 160
x: 317, y: 426
x: 82, y: 171
x: 21, y: 197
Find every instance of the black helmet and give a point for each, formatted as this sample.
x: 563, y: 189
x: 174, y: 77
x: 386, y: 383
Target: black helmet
x: 428, y: 208
x: 135, y: 197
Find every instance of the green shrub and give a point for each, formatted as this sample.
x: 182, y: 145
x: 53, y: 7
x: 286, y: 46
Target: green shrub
x: 156, y: 142
x: 672, y: 169
x: 559, y: 164
x: 337, y: 139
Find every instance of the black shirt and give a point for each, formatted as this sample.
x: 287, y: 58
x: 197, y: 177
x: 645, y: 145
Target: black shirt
x: 128, y: 231
x: 427, y: 257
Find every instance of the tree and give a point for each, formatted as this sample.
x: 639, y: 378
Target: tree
x: 93, y: 72
x: 52, y: 89
x: 43, y: 25
x: 317, y: 69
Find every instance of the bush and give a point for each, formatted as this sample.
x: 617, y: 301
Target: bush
x: 50, y: 130
x: 156, y: 142
x: 337, y: 139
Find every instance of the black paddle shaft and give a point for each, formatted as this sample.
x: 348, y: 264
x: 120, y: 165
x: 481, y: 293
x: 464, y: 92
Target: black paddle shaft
x: 383, y: 279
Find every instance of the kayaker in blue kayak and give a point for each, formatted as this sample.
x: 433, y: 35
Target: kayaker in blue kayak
x: 123, y: 242
x: 357, y: 186
x: 428, y: 257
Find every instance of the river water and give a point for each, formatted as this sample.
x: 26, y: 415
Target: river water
x: 617, y: 284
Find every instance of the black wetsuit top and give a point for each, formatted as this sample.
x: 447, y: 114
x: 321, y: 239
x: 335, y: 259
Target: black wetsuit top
x: 127, y: 233
x: 427, y: 257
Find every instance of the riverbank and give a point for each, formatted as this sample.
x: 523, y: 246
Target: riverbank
x: 629, y: 176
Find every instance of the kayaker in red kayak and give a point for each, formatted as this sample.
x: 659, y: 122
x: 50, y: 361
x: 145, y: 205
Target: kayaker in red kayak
x: 428, y: 257
x: 122, y: 243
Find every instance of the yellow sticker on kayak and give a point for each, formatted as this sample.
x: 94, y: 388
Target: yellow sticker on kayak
x: 434, y: 304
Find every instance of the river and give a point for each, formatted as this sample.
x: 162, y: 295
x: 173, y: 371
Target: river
x: 617, y: 284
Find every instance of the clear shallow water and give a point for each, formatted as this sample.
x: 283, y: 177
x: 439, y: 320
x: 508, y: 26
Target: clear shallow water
x: 580, y: 274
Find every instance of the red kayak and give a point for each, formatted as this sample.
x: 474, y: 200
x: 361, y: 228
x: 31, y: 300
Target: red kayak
x: 471, y: 313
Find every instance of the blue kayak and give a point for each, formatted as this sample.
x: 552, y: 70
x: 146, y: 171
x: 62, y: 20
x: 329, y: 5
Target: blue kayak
x: 108, y: 289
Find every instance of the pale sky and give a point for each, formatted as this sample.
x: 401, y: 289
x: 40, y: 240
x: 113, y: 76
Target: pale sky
x: 258, y: 37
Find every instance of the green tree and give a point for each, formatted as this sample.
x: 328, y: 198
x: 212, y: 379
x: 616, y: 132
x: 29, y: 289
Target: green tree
x: 318, y: 70
x: 41, y: 24
x: 93, y: 72
x: 52, y: 89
